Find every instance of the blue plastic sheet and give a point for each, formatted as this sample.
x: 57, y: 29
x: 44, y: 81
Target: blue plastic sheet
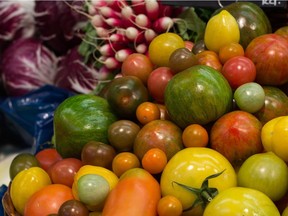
x: 30, y: 117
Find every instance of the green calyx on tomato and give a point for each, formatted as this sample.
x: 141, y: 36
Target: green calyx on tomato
x: 204, y: 194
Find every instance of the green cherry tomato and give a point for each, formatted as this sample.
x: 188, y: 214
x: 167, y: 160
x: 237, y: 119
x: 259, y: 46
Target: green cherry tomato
x: 241, y: 201
x: 250, y: 97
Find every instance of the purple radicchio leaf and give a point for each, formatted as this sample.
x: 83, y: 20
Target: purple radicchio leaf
x: 27, y: 65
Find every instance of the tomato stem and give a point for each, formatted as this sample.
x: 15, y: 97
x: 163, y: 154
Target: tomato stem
x: 204, y: 194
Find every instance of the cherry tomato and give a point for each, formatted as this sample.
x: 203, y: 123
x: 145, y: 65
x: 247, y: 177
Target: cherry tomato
x: 169, y: 206
x: 138, y: 65
x: 22, y: 161
x: 182, y: 59
x: 63, y: 171
x: 73, y: 208
x: 162, y: 46
x: 47, y: 157
x: 123, y: 162
x: 154, y: 160
x: 209, y: 58
x: 239, y: 70
x: 147, y: 112
x: 195, y: 135
x: 241, y: 201
x: 230, y: 50
x: 48, y: 200
x: 157, y: 82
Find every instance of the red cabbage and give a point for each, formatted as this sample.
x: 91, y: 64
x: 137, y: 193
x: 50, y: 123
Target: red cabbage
x: 77, y: 76
x: 26, y: 65
x: 16, y: 19
x: 58, y: 23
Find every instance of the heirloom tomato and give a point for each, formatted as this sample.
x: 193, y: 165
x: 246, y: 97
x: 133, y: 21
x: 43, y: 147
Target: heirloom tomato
x: 194, y: 168
x: 241, y: 201
x: 274, y: 136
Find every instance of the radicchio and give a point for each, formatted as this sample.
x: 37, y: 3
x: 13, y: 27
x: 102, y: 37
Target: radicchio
x: 77, y: 76
x: 58, y: 23
x: 27, y: 65
x: 16, y: 19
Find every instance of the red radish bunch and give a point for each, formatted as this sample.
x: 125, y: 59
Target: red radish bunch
x: 125, y: 27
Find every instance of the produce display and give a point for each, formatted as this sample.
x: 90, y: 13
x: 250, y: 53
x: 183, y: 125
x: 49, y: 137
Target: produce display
x: 154, y: 108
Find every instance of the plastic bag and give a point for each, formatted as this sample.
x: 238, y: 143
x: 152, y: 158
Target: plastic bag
x: 30, y: 117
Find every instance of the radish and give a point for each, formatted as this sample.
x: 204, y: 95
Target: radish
x: 142, y: 21
x: 122, y: 54
x: 138, y: 6
x: 141, y: 48
x: 149, y: 35
x: 108, y: 12
x: 152, y: 9
x: 163, y: 24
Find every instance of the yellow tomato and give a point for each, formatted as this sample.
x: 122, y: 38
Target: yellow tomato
x: 162, y: 46
x: 190, y: 167
x: 111, y: 177
x: 221, y: 30
x: 25, y: 184
x: 274, y: 136
x: 285, y: 212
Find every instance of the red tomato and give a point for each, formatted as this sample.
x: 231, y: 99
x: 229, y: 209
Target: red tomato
x: 157, y: 81
x: 63, y: 171
x: 47, y: 157
x: 138, y: 65
x: 48, y: 200
x: 238, y: 71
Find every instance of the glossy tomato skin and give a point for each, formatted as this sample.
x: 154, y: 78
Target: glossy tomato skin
x: 236, y: 135
x: 48, y: 200
x: 63, y: 171
x: 241, y: 201
x: 138, y: 65
x: 270, y: 55
x: 239, y: 70
x: 190, y: 167
x: 47, y: 157
x: 157, y: 82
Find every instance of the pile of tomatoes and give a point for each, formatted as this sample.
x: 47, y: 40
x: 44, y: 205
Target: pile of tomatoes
x: 195, y: 180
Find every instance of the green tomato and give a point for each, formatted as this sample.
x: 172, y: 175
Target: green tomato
x: 265, y: 172
x: 241, y: 201
x: 190, y: 167
x: 93, y: 190
x: 250, y: 97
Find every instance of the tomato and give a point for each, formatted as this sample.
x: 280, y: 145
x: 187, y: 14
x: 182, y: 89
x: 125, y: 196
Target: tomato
x: 221, y: 29
x: 48, y: 200
x: 230, y: 50
x: 22, y: 161
x: 285, y: 212
x: 209, y: 58
x: 162, y: 46
x: 123, y: 162
x: 154, y: 160
x: 73, y: 208
x: 138, y: 65
x: 239, y: 70
x: 47, y: 157
x: 195, y: 135
x: 90, y: 169
x: 250, y: 97
x: 63, y: 171
x: 169, y: 206
x: 157, y: 82
x: 190, y: 167
x: 274, y: 135
x: 25, y: 184
x: 265, y: 172
x: 241, y: 201
x: 147, y: 112
x: 137, y: 193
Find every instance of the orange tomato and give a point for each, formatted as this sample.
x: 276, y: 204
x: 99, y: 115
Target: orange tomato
x: 154, y: 160
x: 147, y: 112
x: 230, y: 50
x: 124, y: 161
x: 209, y: 58
x: 169, y: 205
x: 195, y: 135
x: 137, y: 193
x: 48, y: 200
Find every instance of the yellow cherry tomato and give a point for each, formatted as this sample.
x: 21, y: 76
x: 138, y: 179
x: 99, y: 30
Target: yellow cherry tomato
x: 25, y: 184
x: 221, y: 30
x: 162, y: 46
x: 274, y: 136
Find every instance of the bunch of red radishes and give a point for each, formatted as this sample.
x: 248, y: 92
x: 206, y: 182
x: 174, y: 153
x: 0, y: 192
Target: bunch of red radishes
x: 124, y: 27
